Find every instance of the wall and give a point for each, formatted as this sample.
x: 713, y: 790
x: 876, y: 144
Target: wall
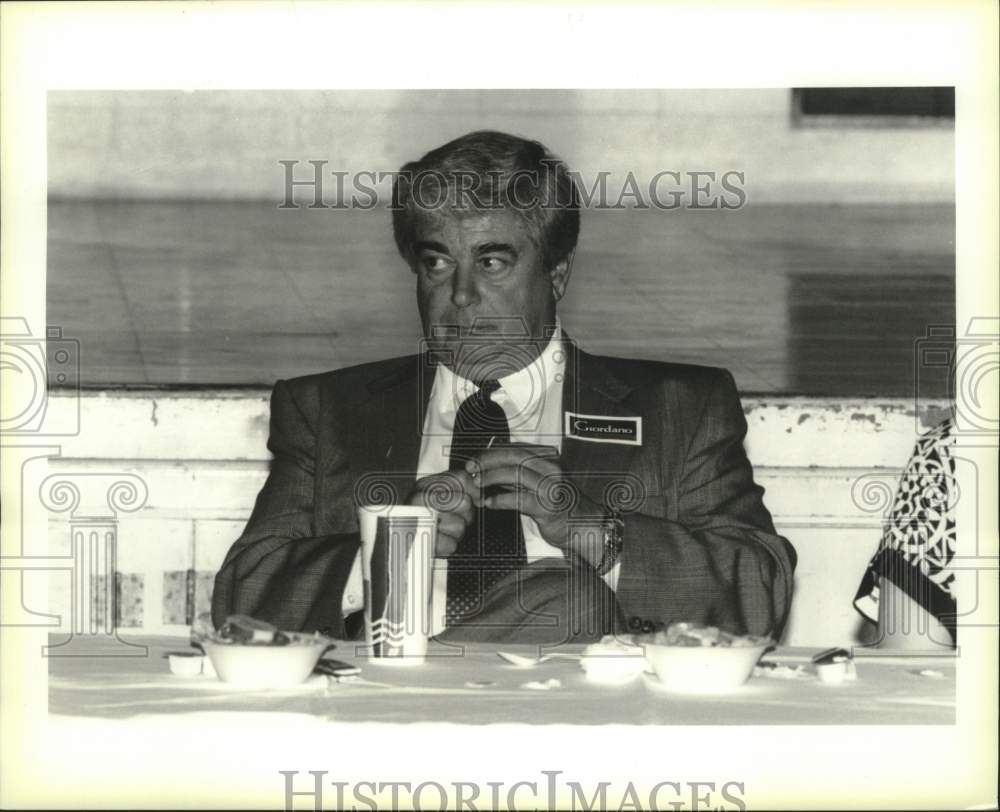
x: 829, y: 467
x: 225, y: 145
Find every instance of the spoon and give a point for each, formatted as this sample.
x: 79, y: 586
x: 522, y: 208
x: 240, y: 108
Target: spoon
x: 521, y: 661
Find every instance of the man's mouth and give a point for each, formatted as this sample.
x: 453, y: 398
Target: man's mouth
x: 478, y: 328
x: 481, y: 328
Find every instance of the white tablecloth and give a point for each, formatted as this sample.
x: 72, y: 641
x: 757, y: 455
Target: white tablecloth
x: 890, y: 690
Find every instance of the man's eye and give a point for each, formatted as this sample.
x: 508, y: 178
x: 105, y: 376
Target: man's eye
x: 433, y: 264
x: 494, y: 264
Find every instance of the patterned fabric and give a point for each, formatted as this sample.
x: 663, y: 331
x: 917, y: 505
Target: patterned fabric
x: 918, y: 542
x: 493, y: 544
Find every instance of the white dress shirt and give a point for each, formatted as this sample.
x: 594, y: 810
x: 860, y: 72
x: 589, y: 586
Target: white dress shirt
x: 532, y: 401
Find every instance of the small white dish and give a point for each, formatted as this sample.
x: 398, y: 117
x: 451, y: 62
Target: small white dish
x: 185, y: 664
x: 837, y: 672
x: 613, y: 661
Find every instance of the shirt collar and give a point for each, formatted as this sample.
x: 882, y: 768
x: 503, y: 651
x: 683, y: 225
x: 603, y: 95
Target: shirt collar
x: 525, y: 389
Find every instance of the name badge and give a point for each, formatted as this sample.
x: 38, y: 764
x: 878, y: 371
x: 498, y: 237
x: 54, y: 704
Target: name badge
x: 596, y: 428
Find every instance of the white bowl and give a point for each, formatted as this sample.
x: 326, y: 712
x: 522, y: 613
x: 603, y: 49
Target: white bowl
x: 703, y: 669
x: 263, y: 666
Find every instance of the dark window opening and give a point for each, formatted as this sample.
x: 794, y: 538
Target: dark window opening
x: 873, y: 106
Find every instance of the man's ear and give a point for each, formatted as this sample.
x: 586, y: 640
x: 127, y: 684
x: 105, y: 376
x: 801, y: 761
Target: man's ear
x: 560, y: 274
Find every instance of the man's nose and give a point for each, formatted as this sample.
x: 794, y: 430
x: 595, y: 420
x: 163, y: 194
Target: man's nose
x: 463, y: 287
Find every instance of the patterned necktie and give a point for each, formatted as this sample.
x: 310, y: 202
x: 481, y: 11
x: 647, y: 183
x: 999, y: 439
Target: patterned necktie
x: 493, y: 544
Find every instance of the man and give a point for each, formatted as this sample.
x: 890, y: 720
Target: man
x: 577, y: 494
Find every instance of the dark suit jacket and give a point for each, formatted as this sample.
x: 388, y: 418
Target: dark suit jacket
x: 699, y: 545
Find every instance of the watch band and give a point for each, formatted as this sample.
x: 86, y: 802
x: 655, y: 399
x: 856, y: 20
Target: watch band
x: 614, y: 531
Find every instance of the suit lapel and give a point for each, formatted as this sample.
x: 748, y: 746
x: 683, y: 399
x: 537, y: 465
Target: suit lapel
x: 592, y: 388
x: 393, y: 419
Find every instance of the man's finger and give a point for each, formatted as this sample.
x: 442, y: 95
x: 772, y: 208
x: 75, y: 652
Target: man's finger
x: 510, y: 455
x: 452, y: 503
x: 510, y: 476
x: 459, y: 480
x: 451, y: 524
x: 445, y: 546
x: 520, y: 500
x: 450, y: 491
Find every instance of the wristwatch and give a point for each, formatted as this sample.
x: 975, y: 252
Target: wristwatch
x: 613, y: 528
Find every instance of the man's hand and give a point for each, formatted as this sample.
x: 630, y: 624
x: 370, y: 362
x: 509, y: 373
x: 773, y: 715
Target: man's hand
x: 451, y: 494
x: 534, y: 485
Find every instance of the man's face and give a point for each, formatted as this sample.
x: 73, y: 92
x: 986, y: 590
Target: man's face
x: 482, y: 270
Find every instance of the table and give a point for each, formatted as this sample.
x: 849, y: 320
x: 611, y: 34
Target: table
x: 890, y: 690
